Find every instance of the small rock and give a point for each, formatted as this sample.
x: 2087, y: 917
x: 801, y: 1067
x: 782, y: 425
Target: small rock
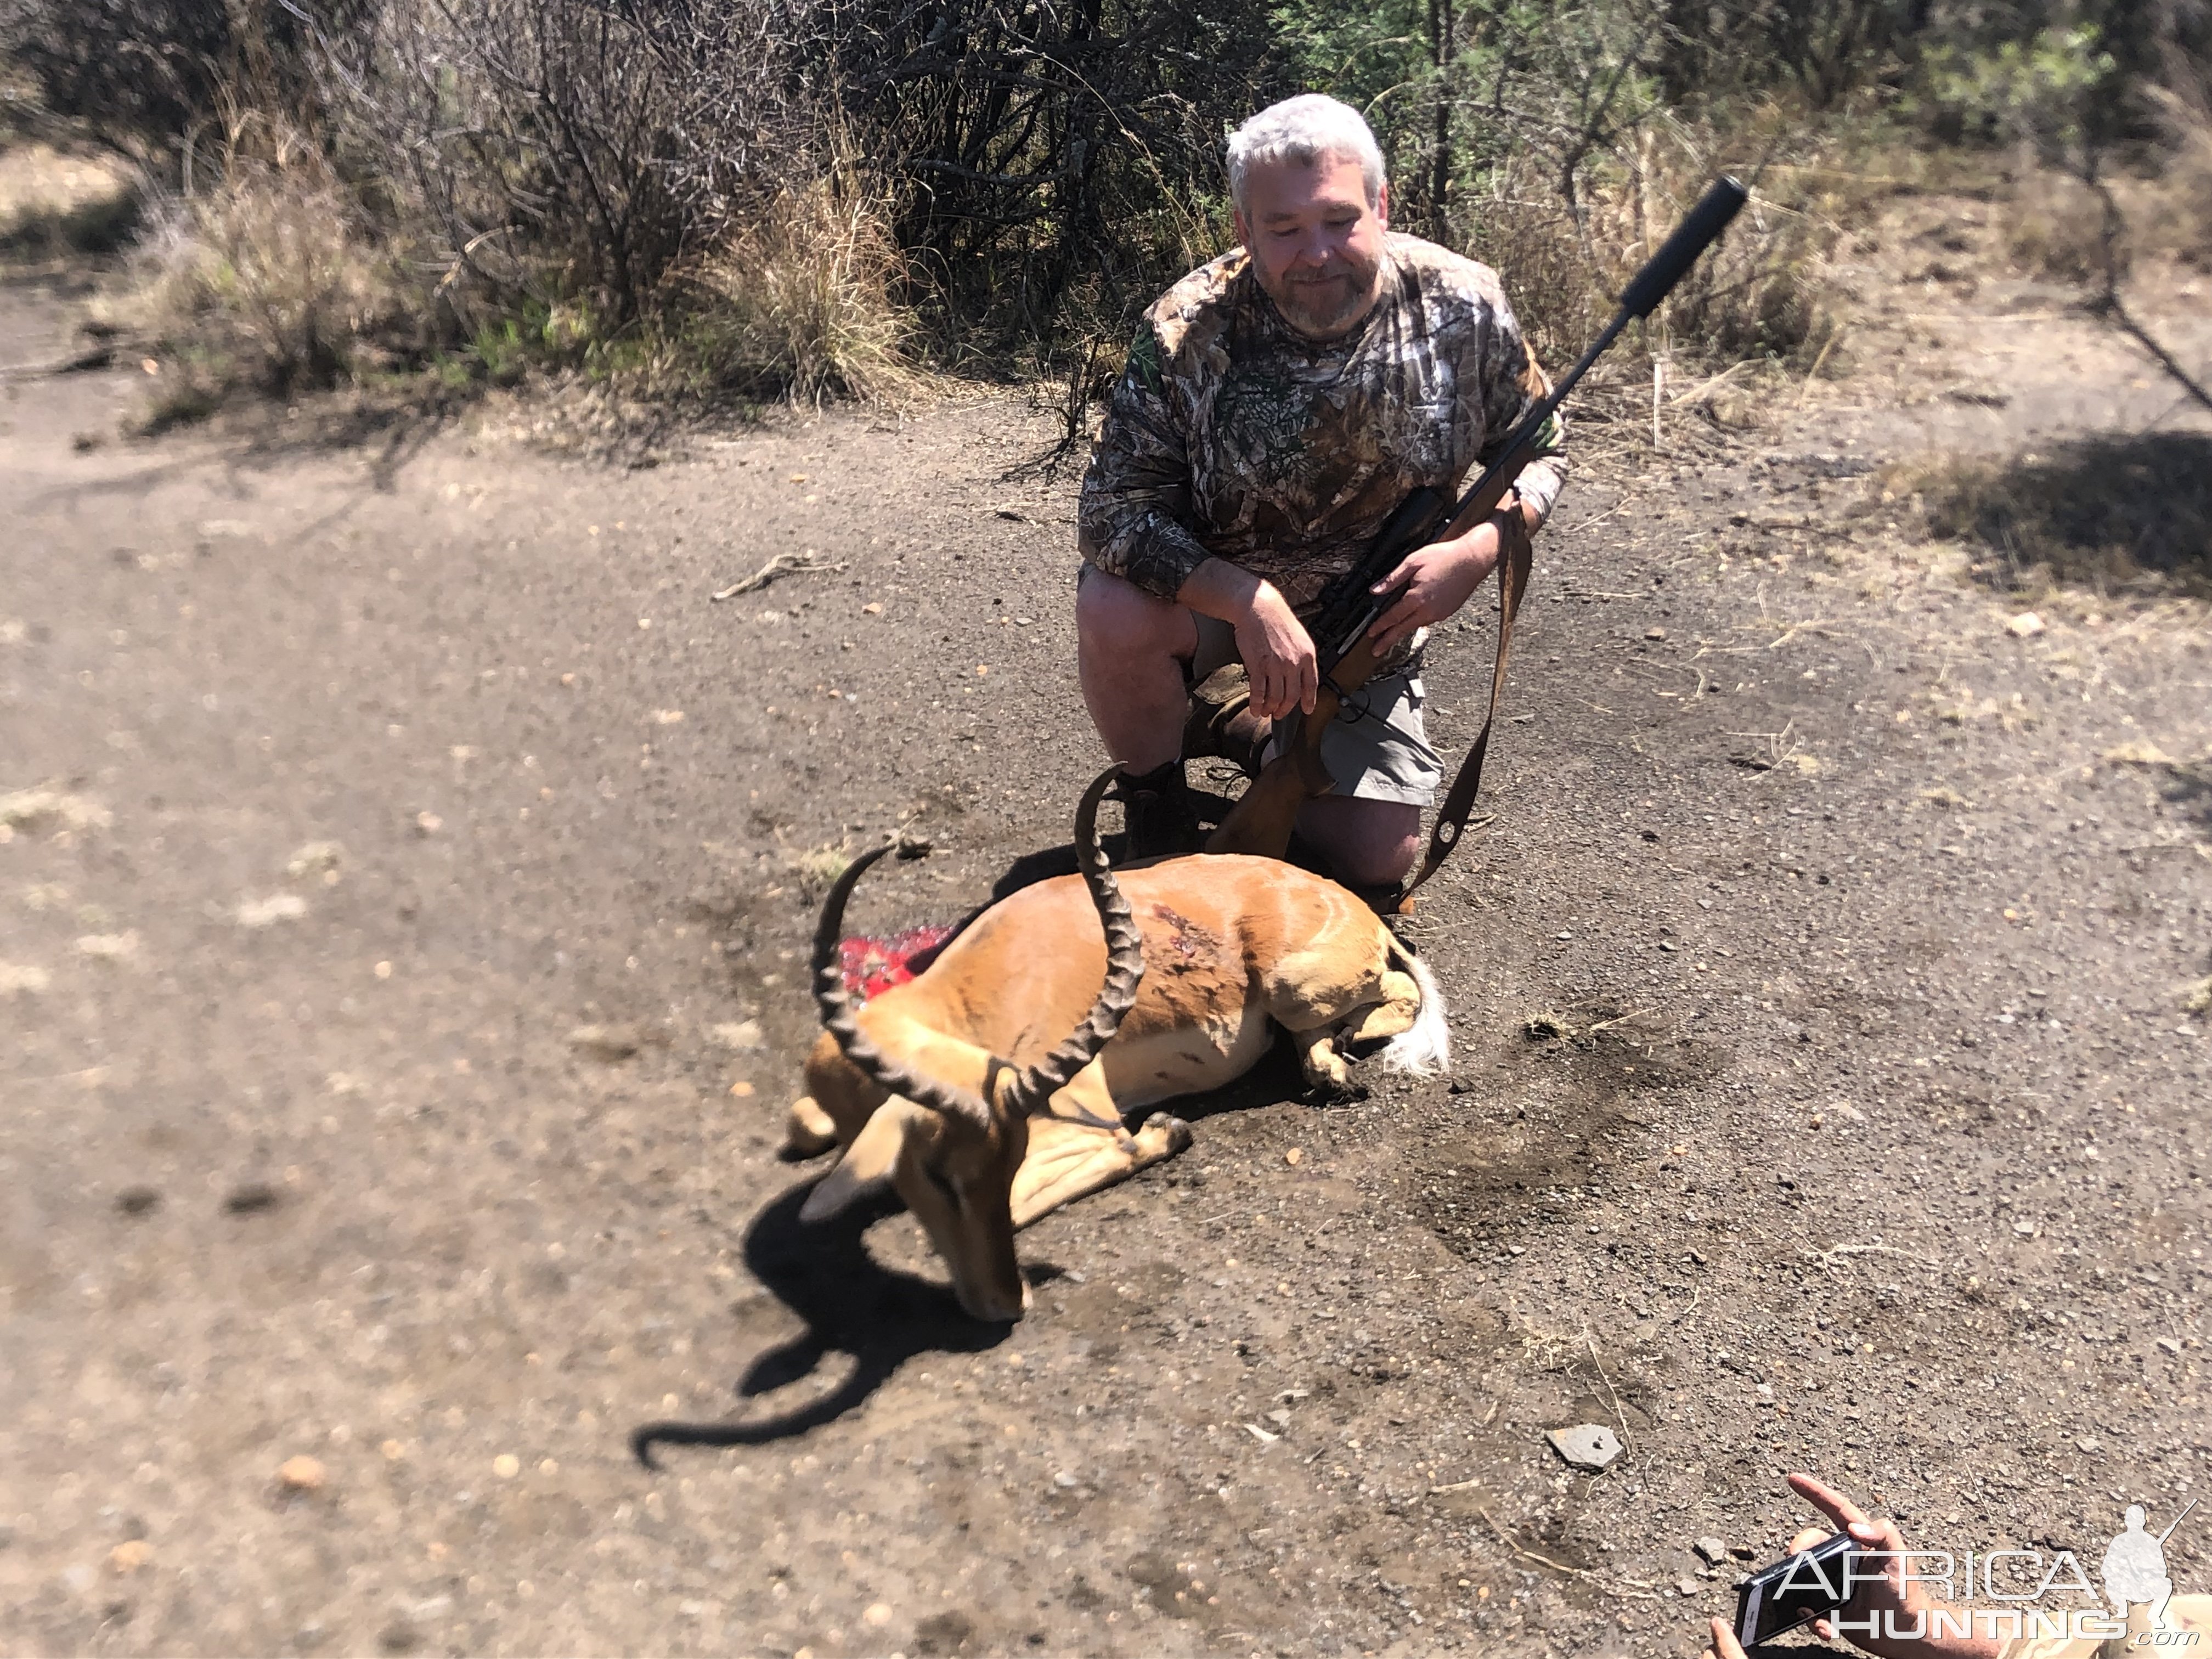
x: 301, y: 1475
x: 872, y: 608
x: 1654, y: 633
x: 1686, y: 1586
x: 2090, y: 1445
x: 427, y: 823
x: 1279, y: 1418
x: 129, y: 1556
x: 913, y: 844
x: 507, y: 1466
x: 1294, y: 1155
x: 2171, y: 1344
x: 876, y: 1615
x: 2025, y: 626
x: 137, y: 1201
x: 1586, y: 1446
x: 2025, y: 1229
x: 1712, y: 1549
x: 251, y: 1198
x: 1063, y: 1479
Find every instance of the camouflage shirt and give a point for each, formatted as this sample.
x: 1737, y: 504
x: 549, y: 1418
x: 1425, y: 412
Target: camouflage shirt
x: 1231, y: 435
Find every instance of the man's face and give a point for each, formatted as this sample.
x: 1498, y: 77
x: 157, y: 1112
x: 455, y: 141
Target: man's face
x: 1316, y: 246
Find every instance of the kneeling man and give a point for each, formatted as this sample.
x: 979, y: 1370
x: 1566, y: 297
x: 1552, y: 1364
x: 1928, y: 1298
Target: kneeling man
x: 1278, y: 404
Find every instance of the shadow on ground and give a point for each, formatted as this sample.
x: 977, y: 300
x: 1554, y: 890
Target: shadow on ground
x: 2114, y: 512
x: 851, y: 1305
x: 98, y: 229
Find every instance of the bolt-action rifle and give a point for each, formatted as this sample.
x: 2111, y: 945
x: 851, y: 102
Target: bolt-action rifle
x: 1261, y: 822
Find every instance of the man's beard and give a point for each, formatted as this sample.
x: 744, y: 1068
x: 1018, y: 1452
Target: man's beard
x: 1326, y: 307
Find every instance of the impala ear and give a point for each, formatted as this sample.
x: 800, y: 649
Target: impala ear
x: 867, y: 1164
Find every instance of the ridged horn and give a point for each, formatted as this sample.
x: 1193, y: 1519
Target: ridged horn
x: 838, y: 1013
x: 1125, y: 964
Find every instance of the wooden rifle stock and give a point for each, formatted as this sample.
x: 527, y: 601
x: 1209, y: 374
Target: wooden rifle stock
x: 1262, y: 820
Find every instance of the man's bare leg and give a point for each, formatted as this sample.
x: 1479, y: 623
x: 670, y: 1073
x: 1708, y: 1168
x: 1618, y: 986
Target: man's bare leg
x: 1368, y: 843
x: 1131, y: 653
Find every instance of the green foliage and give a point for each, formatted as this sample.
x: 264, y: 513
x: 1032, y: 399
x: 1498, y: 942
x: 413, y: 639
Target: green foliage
x: 771, y: 197
x: 2041, y: 89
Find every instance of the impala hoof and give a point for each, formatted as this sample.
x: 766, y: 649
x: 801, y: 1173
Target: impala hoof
x: 1177, y: 1131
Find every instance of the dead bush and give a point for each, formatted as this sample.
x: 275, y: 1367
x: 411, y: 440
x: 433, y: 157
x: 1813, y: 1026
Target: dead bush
x: 270, y: 282
x: 1757, y: 295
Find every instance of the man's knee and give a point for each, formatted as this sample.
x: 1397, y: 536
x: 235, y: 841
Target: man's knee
x: 1115, y: 616
x: 1369, y: 843
x: 1381, y: 860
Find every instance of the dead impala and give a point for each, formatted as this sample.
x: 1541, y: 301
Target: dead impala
x: 1170, y: 977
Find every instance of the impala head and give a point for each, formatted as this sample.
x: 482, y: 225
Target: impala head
x: 951, y: 1152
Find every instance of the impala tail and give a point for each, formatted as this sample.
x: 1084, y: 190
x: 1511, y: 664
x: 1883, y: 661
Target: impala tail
x: 1425, y: 1050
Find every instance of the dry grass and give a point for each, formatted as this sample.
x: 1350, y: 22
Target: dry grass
x: 267, y: 282
x: 803, y: 302
x: 1758, y: 296
x: 2127, y: 513
x: 2054, y: 224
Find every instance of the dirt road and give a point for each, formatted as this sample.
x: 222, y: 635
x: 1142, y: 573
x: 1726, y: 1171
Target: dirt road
x: 408, y: 857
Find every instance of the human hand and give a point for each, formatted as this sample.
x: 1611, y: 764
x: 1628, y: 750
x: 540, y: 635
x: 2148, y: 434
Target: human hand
x: 1436, y: 580
x: 1890, y: 1592
x: 1277, y: 653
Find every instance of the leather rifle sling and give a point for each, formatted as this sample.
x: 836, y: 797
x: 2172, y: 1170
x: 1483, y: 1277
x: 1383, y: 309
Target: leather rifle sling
x: 1513, y: 566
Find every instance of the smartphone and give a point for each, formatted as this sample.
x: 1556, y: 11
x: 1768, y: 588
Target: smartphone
x: 1795, y: 1592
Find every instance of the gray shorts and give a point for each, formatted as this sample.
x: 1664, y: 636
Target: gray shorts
x: 1377, y: 746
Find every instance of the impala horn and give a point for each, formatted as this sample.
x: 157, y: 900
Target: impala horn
x: 1125, y: 966
x: 837, y: 1012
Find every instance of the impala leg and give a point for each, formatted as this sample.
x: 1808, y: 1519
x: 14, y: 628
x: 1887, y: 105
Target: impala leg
x: 1396, y: 1014
x: 1067, y: 1160
x: 1324, y: 1067
x: 809, y: 1131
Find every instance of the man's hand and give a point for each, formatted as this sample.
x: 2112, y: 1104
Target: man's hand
x: 1277, y: 651
x: 1890, y: 1594
x: 1278, y: 655
x: 1437, y: 580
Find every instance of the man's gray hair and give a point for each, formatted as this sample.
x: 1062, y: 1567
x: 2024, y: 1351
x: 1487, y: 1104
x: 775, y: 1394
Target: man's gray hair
x: 1303, y: 130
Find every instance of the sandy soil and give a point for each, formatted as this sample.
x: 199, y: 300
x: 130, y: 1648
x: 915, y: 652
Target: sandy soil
x: 403, y: 986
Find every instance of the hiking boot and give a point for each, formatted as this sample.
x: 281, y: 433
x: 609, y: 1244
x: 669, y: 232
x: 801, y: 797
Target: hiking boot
x: 1157, y: 813
x: 1221, y: 722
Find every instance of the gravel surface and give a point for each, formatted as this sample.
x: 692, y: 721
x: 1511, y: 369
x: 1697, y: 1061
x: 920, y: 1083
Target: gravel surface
x: 407, y: 875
